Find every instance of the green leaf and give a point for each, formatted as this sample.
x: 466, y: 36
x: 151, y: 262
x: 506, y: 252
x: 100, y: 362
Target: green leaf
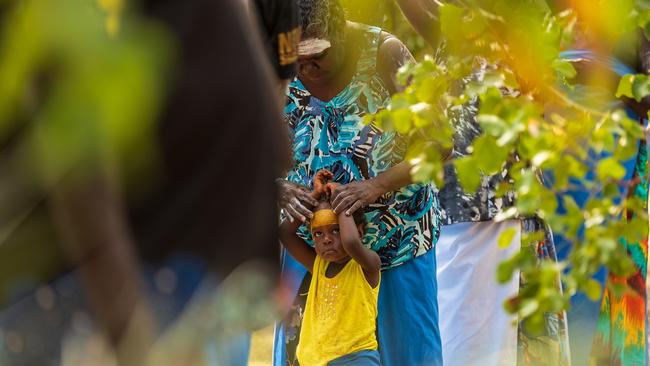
x: 494, y: 79
x: 492, y: 124
x: 505, y: 271
x: 430, y: 89
x: 535, y: 326
x: 422, y: 171
x: 541, y: 157
x: 468, y: 174
x: 564, y: 68
x: 451, y: 23
x: 401, y: 120
x: 528, y: 307
x: 593, y: 289
x: 625, y: 86
x: 505, y: 239
x: 610, y: 168
x: 640, y: 87
x: 488, y: 155
x: 423, y: 114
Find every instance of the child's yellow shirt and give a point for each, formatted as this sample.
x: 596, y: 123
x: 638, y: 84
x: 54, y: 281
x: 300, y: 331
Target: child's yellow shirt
x: 340, y: 315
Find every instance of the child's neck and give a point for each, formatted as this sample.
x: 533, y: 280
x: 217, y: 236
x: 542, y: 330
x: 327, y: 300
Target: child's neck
x: 335, y: 267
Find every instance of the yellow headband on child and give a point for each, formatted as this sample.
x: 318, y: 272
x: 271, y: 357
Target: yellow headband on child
x: 324, y: 217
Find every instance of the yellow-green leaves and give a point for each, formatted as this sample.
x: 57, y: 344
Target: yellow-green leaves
x: 96, y: 97
x: 634, y: 86
x: 503, y: 57
x: 609, y: 168
x: 564, y: 68
x: 505, y: 239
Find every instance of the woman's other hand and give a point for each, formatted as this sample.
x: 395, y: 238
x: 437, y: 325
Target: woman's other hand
x: 294, y: 200
x: 355, y: 195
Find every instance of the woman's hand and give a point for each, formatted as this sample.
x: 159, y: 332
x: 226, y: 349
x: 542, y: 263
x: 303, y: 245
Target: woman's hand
x: 294, y: 200
x: 355, y: 195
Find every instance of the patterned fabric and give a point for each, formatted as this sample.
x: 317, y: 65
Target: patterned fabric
x: 457, y: 205
x: 621, y: 334
x: 620, y: 337
x: 552, y: 346
x: 330, y: 135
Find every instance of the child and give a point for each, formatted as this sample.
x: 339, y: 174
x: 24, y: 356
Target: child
x: 341, y: 312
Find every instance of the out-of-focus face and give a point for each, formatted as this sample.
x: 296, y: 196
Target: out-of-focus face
x: 327, y: 242
x: 318, y: 59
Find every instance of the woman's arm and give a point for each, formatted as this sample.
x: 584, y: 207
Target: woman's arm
x: 392, y: 55
x: 353, y: 196
x: 92, y: 219
x: 423, y: 16
x: 367, y: 259
x: 297, y: 247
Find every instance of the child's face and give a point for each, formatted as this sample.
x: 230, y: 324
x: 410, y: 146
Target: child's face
x: 327, y: 242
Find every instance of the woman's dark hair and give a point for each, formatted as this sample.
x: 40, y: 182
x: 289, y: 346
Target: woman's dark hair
x: 324, y: 19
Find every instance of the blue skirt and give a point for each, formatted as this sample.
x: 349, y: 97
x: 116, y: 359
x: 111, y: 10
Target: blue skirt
x: 361, y: 358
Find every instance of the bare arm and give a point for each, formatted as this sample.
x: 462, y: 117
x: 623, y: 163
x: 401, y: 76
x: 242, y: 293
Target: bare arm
x: 350, y: 197
x: 392, y: 55
x: 367, y: 259
x: 91, y: 217
x: 423, y: 16
x: 297, y: 247
x: 394, y: 178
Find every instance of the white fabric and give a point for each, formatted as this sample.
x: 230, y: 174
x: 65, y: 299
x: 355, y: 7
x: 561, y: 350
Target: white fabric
x: 474, y: 327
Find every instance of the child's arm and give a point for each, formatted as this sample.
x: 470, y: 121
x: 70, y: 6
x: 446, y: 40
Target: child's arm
x: 297, y: 247
x: 368, y: 259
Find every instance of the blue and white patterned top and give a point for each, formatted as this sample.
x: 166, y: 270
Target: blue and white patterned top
x: 331, y: 135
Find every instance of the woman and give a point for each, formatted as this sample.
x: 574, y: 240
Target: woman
x: 347, y: 70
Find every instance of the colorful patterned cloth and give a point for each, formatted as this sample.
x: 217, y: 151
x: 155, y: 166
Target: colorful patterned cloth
x: 457, y: 205
x: 618, y: 327
x: 621, y: 336
x: 331, y: 135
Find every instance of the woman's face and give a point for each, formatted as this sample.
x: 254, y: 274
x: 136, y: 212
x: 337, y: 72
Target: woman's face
x: 318, y: 60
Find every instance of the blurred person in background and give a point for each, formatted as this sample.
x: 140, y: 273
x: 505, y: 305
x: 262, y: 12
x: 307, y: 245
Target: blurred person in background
x: 182, y: 220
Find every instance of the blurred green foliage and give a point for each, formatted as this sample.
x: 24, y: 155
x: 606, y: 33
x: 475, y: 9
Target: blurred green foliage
x: 387, y: 15
x: 531, y: 125
x: 77, y: 94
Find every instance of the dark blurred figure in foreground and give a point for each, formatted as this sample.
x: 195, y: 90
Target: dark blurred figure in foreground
x: 279, y: 25
x: 207, y: 209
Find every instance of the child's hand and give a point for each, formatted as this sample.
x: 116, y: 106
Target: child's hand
x: 330, y: 187
x: 320, y: 182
